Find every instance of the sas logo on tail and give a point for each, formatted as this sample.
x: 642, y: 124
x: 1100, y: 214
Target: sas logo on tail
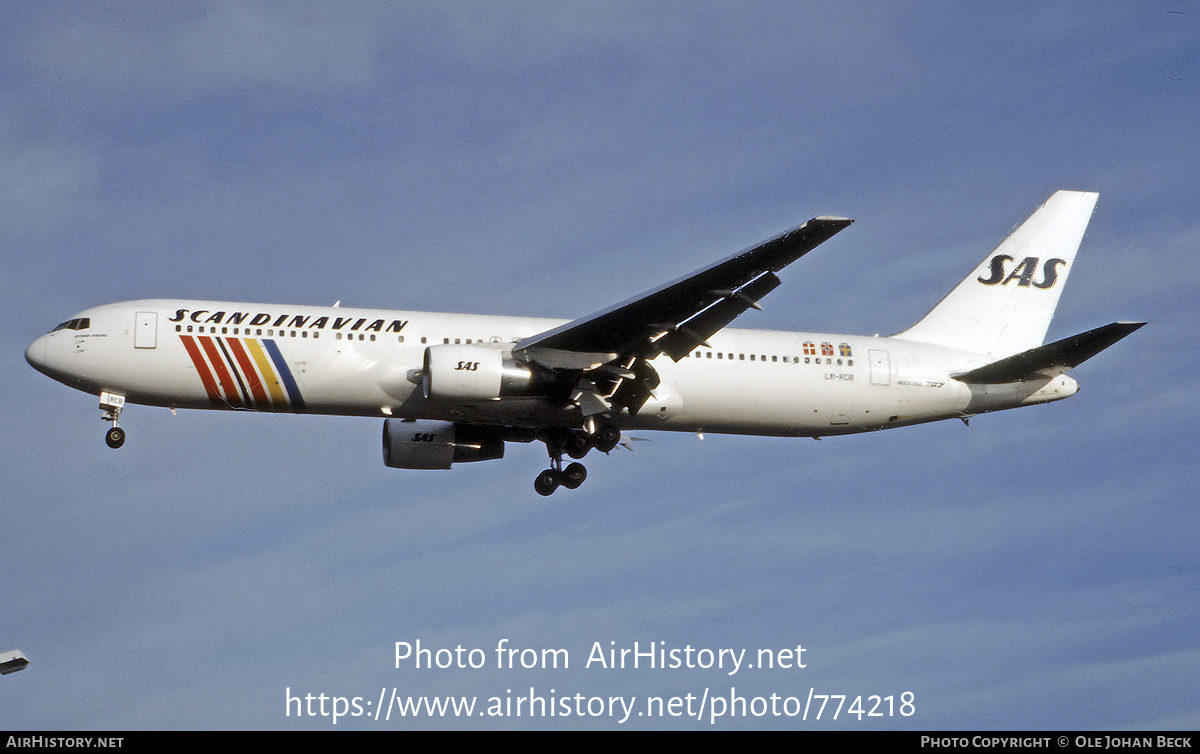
x: 1023, y: 273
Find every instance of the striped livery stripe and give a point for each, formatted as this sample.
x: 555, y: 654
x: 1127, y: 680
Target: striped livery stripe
x: 247, y: 367
x: 232, y: 395
x: 286, y: 375
x: 244, y: 372
x: 201, y: 368
x: 264, y: 367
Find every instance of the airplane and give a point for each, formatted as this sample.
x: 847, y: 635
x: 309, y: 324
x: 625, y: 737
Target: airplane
x: 455, y: 388
x: 12, y: 661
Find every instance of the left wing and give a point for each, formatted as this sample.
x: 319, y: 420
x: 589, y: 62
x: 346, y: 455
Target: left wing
x: 610, y: 348
x: 676, y: 317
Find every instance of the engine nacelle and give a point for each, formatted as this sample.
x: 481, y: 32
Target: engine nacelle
x: 430, y: 444
x: 473, y: 373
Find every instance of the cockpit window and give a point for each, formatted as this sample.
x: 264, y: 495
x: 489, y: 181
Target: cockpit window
x: 81, y: 323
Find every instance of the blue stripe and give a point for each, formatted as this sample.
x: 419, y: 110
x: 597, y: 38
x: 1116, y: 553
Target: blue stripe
x: 285, y: 374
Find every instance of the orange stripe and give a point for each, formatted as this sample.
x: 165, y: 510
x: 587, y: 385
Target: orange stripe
x: 198, y: 361
x: 231, y: 392
x: 256, y: 384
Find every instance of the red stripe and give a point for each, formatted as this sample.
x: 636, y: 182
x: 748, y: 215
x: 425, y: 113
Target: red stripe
x: 231, y: 392
x: 243, y: 360
x: 198, y: 361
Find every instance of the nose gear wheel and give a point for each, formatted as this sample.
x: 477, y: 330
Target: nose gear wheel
x: 112, y: 404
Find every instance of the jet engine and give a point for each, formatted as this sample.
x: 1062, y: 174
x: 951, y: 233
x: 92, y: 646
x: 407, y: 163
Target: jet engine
x: 473, y: 373
x: 431, y: 444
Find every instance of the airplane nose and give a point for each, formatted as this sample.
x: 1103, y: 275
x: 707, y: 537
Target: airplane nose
x: 36, y: 354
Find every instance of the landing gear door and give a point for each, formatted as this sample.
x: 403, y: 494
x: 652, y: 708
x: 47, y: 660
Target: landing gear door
x: 145, y: 330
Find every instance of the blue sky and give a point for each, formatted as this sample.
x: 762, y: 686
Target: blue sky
x: 1035, y: 570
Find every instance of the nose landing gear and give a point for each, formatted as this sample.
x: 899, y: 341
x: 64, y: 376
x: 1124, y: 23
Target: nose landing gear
x: 111, y: 404
x: 115, y: 437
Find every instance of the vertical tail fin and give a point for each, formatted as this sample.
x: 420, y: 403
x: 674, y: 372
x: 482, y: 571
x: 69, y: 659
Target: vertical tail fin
x: 1005, y: 305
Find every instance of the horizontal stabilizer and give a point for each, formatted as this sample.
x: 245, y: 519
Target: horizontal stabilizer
x: 1051, y: 359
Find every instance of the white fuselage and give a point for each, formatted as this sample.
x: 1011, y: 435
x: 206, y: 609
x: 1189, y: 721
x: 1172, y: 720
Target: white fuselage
x: 365, y: 362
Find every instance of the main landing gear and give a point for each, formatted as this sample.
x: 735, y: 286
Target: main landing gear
x: 111, y: 404
x: 552, y: 478
x: 575, y: 443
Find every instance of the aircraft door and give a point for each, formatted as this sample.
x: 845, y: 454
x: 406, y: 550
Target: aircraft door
x: 145, y: 330
x: 842, y: 406
x: 880, y: 368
